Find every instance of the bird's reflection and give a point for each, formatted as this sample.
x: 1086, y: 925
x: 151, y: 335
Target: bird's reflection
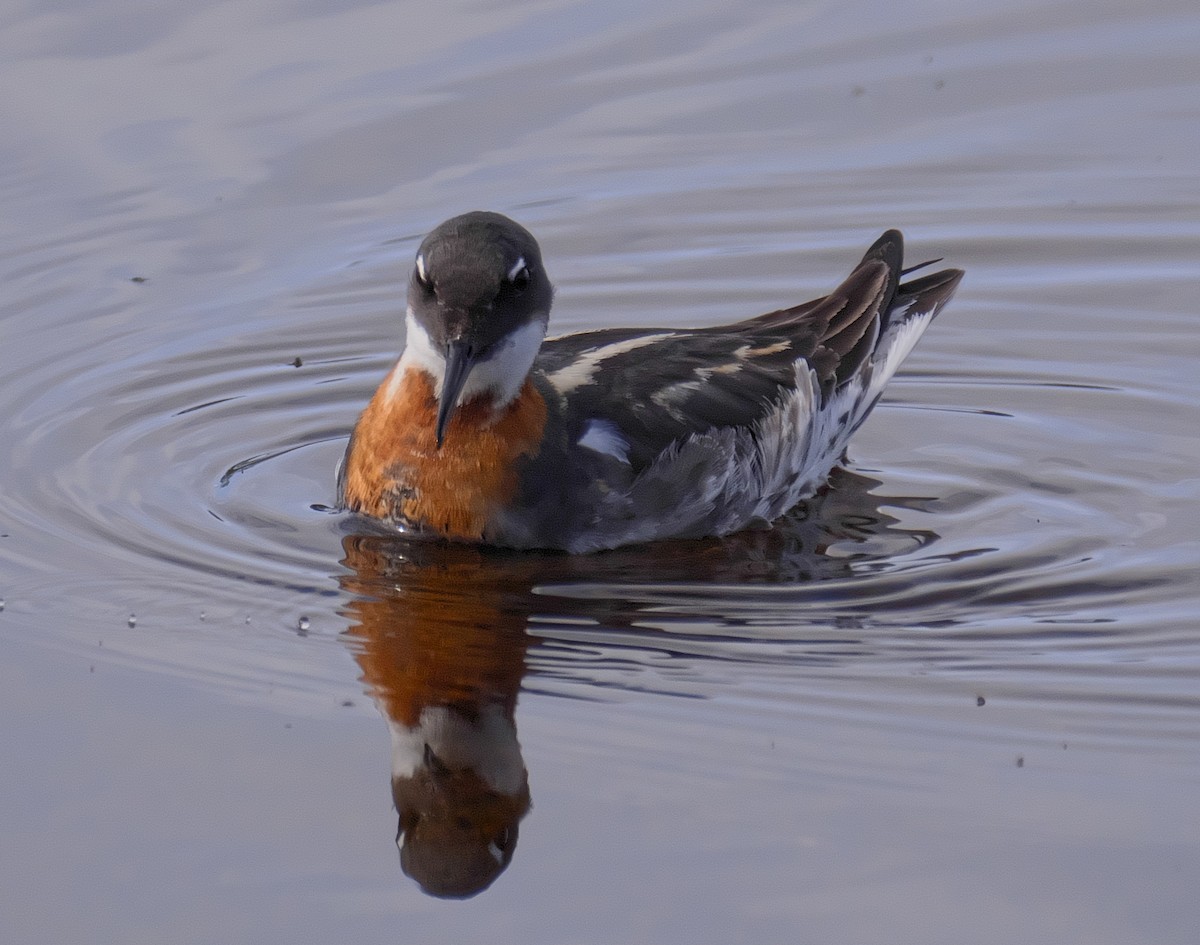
x: 440, y: 632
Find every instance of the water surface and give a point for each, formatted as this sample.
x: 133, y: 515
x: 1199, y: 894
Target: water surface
x: 954, y: 698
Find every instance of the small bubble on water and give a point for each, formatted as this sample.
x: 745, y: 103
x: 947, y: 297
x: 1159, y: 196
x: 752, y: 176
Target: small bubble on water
x: 132, y: 621
x: 203, y: 615
x: 1, y: 603
x: 303, y: 624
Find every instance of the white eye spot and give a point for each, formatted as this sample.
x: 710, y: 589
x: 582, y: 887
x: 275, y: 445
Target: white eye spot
x: 518, y: 267
x: 422, y: 275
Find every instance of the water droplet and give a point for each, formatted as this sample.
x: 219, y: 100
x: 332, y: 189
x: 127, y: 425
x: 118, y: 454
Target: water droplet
x: 132, y: 621
x: 303, y: 624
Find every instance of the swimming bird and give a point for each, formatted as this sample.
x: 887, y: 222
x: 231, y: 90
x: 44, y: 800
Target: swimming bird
x: 486, y: 431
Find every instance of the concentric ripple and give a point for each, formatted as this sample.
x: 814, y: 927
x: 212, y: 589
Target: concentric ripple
x: 193, y: 482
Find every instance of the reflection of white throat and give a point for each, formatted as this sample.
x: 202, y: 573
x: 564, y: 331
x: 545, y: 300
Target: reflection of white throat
x: 501, y: 376
x: 488, y: 746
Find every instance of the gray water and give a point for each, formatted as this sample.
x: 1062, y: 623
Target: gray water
x: 955, y: 699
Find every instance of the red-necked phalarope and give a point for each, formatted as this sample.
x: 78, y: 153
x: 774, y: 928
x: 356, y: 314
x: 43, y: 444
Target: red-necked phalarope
x: 485, y: 432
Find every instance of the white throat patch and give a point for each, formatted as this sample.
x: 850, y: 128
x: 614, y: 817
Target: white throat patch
x: 501, y: 376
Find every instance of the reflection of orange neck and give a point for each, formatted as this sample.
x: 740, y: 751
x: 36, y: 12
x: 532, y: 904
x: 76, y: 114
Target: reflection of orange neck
x: 447, y: 630
x: 395, y: 468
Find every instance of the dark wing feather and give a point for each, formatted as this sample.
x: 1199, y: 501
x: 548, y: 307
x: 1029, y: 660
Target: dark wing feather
x: 693, y: 380
x: 687, y: 382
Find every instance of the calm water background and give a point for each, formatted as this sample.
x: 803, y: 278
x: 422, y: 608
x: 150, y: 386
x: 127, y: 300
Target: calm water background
x: 955, y: 700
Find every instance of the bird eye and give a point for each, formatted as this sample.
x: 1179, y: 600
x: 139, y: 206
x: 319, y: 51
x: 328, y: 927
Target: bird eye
x: 518, y: 275
x: 423, y: 279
